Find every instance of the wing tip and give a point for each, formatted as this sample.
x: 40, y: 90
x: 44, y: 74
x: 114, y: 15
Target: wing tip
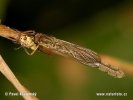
x: 111, y: 70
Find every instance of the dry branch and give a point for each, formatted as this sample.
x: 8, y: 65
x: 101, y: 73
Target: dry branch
x: 125, y: 66
x: 6, y: 71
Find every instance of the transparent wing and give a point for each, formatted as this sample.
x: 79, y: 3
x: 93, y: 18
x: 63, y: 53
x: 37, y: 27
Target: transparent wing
x: 78, y: 53
x: 67, y: 49
x: 82, y: 55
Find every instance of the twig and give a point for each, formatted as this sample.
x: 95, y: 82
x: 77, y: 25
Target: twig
x: 125, y: 66
x: 5, y: 70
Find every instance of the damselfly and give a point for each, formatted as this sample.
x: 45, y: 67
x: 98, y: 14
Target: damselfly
x: 60, y: 47
x: 38, y: 41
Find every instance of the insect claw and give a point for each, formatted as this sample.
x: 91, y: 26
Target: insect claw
x: 18, y: 48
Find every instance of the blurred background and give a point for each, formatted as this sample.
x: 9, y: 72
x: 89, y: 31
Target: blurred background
x: 105, y: 26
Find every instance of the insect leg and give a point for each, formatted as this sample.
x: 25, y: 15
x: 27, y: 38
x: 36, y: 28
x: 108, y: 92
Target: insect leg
x: 33, y: 51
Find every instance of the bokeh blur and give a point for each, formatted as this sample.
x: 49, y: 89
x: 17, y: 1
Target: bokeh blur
x: 105, y: 26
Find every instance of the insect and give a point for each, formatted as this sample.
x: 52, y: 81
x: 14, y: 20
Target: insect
x: 53, y: 45
x: 48, y: 44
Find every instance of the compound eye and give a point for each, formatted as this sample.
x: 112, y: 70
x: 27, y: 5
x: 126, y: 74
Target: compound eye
x: 25, y: 38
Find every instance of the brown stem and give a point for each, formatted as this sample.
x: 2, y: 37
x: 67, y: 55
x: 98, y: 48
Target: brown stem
x: 125, y: 66
x: 6, y: 71
x: 9, y: 33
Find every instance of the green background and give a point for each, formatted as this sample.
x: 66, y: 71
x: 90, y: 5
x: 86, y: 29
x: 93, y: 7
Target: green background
x: 105, y: 26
